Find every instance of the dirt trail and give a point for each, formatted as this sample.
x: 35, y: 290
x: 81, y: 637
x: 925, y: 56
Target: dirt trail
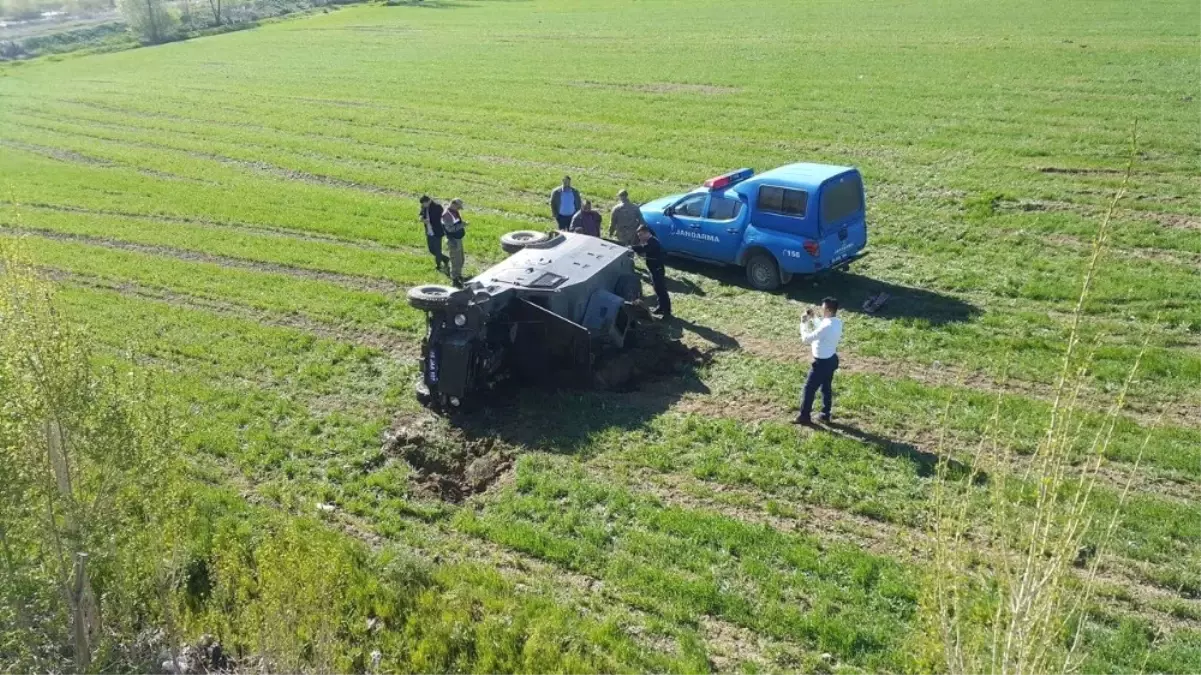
x: 396, y: 345
x: 1179, y: 413
x: 373, y: 284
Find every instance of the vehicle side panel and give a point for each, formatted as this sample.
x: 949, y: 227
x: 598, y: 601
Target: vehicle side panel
x: 787, y: 249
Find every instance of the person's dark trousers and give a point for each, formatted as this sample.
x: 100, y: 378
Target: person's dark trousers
x: 564, y: 221
x: 659, y: 283
x: 435, y: 246
x: 821, y: 376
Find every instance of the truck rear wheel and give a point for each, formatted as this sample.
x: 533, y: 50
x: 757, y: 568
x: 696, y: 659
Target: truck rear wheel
x: 762, y: 272
x: 430, y: 297
x: 512, y: 242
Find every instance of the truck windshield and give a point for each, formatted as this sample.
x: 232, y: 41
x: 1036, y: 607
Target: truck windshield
x: 842, y: 200
x: 724, y: 208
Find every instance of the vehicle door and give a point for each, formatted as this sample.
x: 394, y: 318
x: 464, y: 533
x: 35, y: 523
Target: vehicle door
x: 722, y: 227
x: 843, y: 225
x: 785, y: 210
x: 685, y: 219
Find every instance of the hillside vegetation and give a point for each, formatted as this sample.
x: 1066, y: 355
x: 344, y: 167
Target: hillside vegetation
x: 230, y: 224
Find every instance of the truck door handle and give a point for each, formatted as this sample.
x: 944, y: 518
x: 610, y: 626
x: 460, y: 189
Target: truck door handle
x: 732, y: 230
x: 694, y: 226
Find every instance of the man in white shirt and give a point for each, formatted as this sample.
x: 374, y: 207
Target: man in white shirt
x: 822, y: 334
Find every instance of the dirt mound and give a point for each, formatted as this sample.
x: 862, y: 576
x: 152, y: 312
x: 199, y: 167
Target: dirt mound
x: 448, y: 465
x: 651, y: 354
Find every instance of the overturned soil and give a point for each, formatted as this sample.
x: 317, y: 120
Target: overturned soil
x: 448, y: 465
x: 651, y: 356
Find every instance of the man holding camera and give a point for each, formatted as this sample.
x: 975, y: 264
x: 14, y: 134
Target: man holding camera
x: 822, y: 334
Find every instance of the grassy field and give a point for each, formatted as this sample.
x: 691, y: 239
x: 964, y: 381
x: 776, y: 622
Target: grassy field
x: 238, y: 215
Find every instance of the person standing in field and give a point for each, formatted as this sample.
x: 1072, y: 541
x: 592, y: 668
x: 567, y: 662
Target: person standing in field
x: 649, y: 248
x: 431, y: 217
x: 823, y: 335
x: 587, y: 220
x: 564, y: 203
x: 625, y: 220
x: 455, y: 228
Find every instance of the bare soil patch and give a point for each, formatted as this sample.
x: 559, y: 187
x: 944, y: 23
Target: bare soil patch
x: 652, y: 356
x: 57, y: 153
x: 662, y: 87
x: 1065, y: 170
x: 448, y: 464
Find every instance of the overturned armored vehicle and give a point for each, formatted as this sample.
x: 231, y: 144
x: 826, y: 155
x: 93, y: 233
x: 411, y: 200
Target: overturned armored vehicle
x: 547, y: 312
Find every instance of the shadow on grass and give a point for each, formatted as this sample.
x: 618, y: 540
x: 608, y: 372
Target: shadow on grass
x: 904, y: 302
x: 925, y: 462
x: 566, y: 418
x: 675, y: 286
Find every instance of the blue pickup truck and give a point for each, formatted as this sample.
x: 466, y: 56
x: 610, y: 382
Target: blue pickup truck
x: 796, y: 219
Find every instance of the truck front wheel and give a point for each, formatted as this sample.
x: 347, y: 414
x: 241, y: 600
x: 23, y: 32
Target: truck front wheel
x: 762, y: 272
x: 430, y: 298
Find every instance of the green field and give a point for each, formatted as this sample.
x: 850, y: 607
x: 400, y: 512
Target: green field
x: 237, y: 214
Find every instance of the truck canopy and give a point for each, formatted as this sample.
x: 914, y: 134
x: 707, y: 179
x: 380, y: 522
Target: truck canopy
x: 803, y: 175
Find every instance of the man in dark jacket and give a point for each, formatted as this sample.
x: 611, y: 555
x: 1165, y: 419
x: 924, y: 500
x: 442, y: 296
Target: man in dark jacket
x: 587, y: 220
x: 564, y: 203
x: 431, y: 217
x: 649, y: 248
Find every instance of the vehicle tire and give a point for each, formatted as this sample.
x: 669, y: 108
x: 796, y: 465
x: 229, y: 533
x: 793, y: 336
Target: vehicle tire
x: 430, y: 297
x: 629, y: 287
x: 512, y: 242
x: 762, y: 272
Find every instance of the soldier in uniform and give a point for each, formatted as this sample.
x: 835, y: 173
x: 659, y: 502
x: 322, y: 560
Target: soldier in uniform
x: 625, y: 219
x: 455, y: 228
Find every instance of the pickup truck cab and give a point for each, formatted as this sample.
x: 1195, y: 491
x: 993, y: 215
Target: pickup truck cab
x: 796, y: 219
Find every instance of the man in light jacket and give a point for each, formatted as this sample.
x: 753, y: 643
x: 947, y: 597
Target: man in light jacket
x: 565, y: 202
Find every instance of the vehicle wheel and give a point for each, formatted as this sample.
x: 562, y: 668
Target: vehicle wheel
x: 512, y: 242
x: 762, y: 272
x: 629, y: 287
x: 431, y: 297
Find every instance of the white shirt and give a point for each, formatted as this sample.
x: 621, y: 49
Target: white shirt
x: 823, y: 334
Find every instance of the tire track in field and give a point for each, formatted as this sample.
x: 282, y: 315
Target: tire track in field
x: 1178, y: 413
x: 908, y: 544
x: 73, y: 157
x: 395, y: 345
x: 249, y: 228
x: 905, y: 543
x: 286, y: 174
x: 489, y: 184
x: 375, y: 285
x: 529, y: 574
x: 753, y: 410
